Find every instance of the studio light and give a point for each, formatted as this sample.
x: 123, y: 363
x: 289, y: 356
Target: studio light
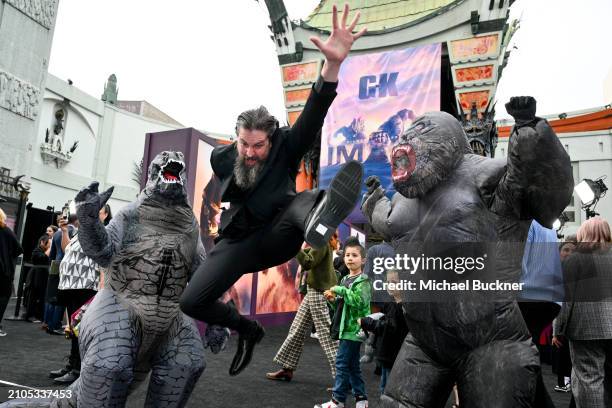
x: 584, y: 191
x: 559, y: 224
x: 590, y: 191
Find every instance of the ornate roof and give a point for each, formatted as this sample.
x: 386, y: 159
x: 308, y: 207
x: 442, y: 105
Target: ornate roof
x: 379, y: 15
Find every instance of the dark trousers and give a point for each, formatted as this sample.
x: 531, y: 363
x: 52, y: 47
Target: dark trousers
x: 231, y: 258
x: 6, y: 287
x: 53, y: 316
x: 74, y: 299
x: 537, y: 316
x: 36, y: 298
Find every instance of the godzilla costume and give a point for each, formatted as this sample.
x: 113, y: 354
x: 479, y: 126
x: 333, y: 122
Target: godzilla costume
x: 447, y: 194
x: 134, y: 325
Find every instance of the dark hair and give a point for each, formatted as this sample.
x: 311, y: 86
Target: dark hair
x: 53, y: 227
x: 109, y: 214
x: 257, y: 119
x: 72, y: 218
x: 353, y: 242
x: 43, y: 239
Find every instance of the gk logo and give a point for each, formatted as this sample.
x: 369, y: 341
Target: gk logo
x: 386, y: 85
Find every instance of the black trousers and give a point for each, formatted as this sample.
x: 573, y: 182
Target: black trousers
x: 231, y: 258
x: 6, y: 288
x: 74, y: 299
x: 537, y: 316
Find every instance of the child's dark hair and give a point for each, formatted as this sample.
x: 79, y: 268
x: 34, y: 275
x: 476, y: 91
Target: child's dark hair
x: 353, y: 242
x: 43, y: 239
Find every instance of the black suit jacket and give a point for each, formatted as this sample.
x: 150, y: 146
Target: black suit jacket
x: 275, y: 186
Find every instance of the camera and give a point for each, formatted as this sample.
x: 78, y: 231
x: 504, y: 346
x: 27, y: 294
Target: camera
x: 66, y: 212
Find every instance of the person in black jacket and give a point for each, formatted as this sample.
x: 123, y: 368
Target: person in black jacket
x: 38, y: 279
x: 10, y: 249
x: 390, y: 330
x: 267, y: 222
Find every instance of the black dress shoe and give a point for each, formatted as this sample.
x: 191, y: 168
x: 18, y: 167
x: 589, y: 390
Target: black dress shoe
x: 340, y: 199
x: 68, y: 378
x: 246, y: 343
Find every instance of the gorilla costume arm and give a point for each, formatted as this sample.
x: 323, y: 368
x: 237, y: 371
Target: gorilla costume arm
x: 538, y: 181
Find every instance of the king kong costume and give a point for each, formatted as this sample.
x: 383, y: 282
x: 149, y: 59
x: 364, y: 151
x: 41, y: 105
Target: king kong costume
x: 449, y: 199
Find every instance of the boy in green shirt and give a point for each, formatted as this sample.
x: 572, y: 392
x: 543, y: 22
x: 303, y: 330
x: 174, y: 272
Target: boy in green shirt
x: 355, y: 290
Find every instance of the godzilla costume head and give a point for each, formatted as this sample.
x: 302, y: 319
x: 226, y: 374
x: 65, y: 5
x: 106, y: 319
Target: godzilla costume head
x: 427, y: 152
x: 167, y: 177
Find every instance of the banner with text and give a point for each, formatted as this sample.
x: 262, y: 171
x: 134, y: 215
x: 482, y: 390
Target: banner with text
x: 378, y: 97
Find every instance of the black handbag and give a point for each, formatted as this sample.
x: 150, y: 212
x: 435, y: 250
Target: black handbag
x: 334, y: 330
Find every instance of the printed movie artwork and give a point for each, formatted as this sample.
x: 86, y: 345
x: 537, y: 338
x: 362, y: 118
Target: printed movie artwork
x: 276, y: 289
x: 275, y: 286
x: 379, y: 95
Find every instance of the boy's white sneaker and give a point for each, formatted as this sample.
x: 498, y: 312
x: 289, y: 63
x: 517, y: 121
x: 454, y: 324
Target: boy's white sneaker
x: 361, y: 404
x: 332, y: 404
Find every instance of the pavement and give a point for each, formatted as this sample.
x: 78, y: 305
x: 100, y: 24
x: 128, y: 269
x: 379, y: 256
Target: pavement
x: 27, y: 354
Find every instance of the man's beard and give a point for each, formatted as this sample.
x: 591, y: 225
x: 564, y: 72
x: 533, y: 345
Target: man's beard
x: 246, y: 176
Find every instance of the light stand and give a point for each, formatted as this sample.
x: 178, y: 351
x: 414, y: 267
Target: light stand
x: 590, y: 191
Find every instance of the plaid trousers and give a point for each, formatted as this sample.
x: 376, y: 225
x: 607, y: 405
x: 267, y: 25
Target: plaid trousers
x: 592, y: 372
x: 313, y: 309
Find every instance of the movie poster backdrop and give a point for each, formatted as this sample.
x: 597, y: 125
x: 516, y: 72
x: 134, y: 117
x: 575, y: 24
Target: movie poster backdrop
x: 379, y: 95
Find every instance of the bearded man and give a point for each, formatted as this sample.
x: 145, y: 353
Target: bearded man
x: 267, y: 221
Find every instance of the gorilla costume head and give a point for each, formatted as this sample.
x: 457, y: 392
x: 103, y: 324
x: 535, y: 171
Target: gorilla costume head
x: 427, y: 152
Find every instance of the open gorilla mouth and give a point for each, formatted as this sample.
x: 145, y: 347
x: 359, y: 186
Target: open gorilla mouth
x: 171, y: 172
x: 403, y: 162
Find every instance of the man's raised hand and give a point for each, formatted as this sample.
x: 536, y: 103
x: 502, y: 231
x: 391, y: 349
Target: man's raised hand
x: 339, y: 43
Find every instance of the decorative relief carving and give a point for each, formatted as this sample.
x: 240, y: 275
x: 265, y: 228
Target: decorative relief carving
x: 41, y: 11
x: 18, y: 96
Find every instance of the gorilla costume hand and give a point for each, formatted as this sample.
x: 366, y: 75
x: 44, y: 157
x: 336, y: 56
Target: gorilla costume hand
x: 374, y: 188
x: 522, y: 109
x: 372, y: 182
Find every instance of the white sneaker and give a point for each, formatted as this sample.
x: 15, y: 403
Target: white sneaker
x: 2, y: 333
x: 332, y: 404
x: 314, y: 335
x: 361, y: 404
